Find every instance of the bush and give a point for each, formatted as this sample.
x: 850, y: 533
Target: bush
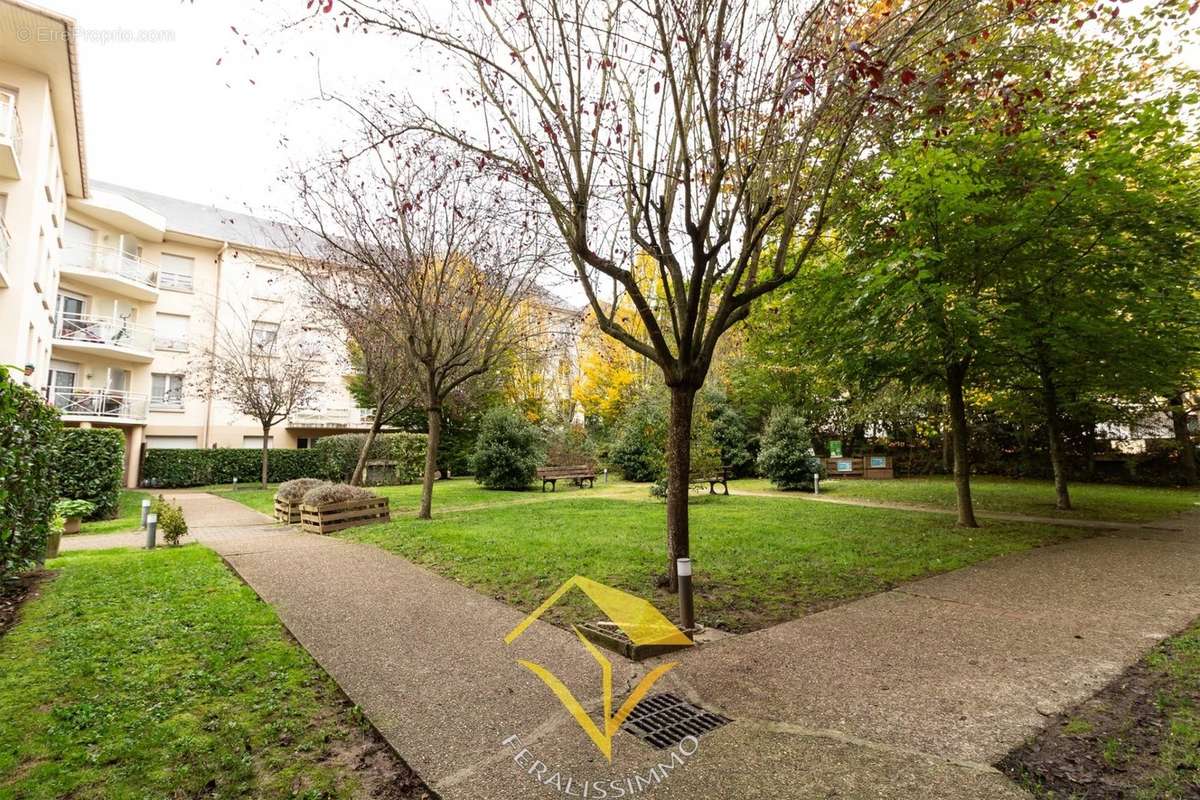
x: 732, y: 437
x: 786, y: 455
x: 73, y: 508
x: 92, y: 468
x: 330, y: 493
x: 639, y: 449
x: 507, y: 451
x: 338, y: 455
x: 171, y: 522
x: 293, y: 491
x: 169, y: 469
x: 29, y: 440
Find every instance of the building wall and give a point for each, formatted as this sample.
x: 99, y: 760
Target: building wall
x: 34, y: 207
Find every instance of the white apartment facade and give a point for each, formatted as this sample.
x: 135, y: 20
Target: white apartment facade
x: 107, y: 294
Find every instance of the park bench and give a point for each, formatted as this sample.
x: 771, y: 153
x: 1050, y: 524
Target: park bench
x: 714, y: 475
x: 577, y: 474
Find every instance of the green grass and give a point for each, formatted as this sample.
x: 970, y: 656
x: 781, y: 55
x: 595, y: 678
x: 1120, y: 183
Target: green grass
x: 140, y: 675
x: 1178, y: 658
x: 759, y: 561
x: 129, y: 515
x: 1021, y: 496
x: 457, y: 493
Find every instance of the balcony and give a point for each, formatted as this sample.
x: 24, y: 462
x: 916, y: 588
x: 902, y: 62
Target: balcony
x: 332, y: 418
x: 5, y: 246
x: 10, y: 139
x: 98, y: 405
x: 104, y: 336
x: 111, y: 269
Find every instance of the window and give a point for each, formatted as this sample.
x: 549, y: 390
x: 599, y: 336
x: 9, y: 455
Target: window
x: 268, y: 283
x: 166, y: 391
x: 263, y: 335
x: 9, y: 124
x: 171, y: 332
x: 175, y: 272
x: 255, y: 442
x: 171, y: 442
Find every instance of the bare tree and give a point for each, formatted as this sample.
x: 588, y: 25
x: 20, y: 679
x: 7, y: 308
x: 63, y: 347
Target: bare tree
x: 712, y: 135
x: 261, y: 368
x: 384, y: 369
x: 450, y: 257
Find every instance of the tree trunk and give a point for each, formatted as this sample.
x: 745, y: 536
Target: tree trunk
x: 1183, y: 437
x: 266, y: 439
x: 1058, y: 452
x: 955, y: 378
x: 947, y: 449
x: 360, y: 468
x: 434, y: 435
x: 679, y: 457
x: 1089, y: 448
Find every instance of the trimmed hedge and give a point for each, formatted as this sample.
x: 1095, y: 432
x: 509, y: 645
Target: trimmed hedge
x: 29, y: 438
x: 170, y: 469
x: 92, y: 468
x: 339, y: 454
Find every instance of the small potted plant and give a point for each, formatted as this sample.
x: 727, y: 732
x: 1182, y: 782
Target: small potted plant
x: 54, y: 537
x: 73, y: 512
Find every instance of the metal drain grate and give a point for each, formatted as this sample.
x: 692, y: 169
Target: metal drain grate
x: 663, y: 720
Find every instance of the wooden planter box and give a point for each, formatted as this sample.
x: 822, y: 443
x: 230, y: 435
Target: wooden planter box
x: 287, y: 513
x: 336, y: 516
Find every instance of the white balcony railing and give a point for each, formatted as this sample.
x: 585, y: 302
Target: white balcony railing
x: 10, y: 123
x: 332, y: 417
x: 175, y: 280
x: 111, y: 261
x: 103, y: 403
x: 5, y: 245
x: 109, y: 331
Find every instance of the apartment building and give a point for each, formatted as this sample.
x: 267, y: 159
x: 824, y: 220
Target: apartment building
x: 107, y: 294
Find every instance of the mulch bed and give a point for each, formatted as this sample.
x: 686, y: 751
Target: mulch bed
x: 14, y: 592
x: 1068, y: 758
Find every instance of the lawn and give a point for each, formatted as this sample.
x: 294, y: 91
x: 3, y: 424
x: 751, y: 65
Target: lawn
x: 1023, y: 496
x: 457, y: 493
x: 129, y: 515
x: 759, y: 561
x: 161, y: 675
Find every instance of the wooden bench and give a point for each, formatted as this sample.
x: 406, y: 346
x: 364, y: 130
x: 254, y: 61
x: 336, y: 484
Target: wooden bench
x: 714, y: 476
x: 577, y: 473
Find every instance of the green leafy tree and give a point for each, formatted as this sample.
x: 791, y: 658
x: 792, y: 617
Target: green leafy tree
x: 508, y: 450
x: 786, y: 457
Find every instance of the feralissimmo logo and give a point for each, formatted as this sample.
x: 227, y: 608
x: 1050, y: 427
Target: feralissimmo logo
x: 640, y: 621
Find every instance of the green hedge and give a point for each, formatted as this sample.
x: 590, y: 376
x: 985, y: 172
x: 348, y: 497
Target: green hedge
x: 29, y: 438
x: 339, y: 454
x: 169, y: 469
x: 92, y: 468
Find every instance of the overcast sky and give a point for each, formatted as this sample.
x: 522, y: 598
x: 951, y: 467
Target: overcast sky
x: 161, y: 114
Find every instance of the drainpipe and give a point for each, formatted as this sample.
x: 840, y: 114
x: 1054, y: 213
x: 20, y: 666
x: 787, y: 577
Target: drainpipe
x: 212, y: 343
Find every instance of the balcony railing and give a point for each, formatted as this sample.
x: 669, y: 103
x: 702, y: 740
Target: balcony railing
x: 10, y: 126
x: 5, y: 245
x: 175, y: 280
x: 103, y: 403
x: 111, y: 261
x: 332, y: 417
x: 109, y: 331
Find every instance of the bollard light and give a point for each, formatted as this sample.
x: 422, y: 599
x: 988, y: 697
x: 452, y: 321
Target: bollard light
x: 235, y: 484
x: 145, y: 511
x: 683, y: 568
x: 816, y: 483
x: 151, y: 530
x: 606, y: 474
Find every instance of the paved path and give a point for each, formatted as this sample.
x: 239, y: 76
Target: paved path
x: 911, y: 693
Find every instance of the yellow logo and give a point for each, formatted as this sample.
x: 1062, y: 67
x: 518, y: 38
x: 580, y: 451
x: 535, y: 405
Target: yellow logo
x: 641, y: 622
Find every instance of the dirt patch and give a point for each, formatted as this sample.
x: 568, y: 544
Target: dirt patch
x: 382, y: 774
x: 1105, y: 748
x: 14, y: 592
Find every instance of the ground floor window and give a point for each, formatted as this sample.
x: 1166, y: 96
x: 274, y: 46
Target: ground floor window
x: 257, y: 441
x: 171, y: 442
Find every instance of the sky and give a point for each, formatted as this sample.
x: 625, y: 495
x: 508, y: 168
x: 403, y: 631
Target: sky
x: 174, y: 103
x: 161, y: 114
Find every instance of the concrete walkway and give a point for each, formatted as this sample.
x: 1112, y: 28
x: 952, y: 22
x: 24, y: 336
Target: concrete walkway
x: 912, y: 693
